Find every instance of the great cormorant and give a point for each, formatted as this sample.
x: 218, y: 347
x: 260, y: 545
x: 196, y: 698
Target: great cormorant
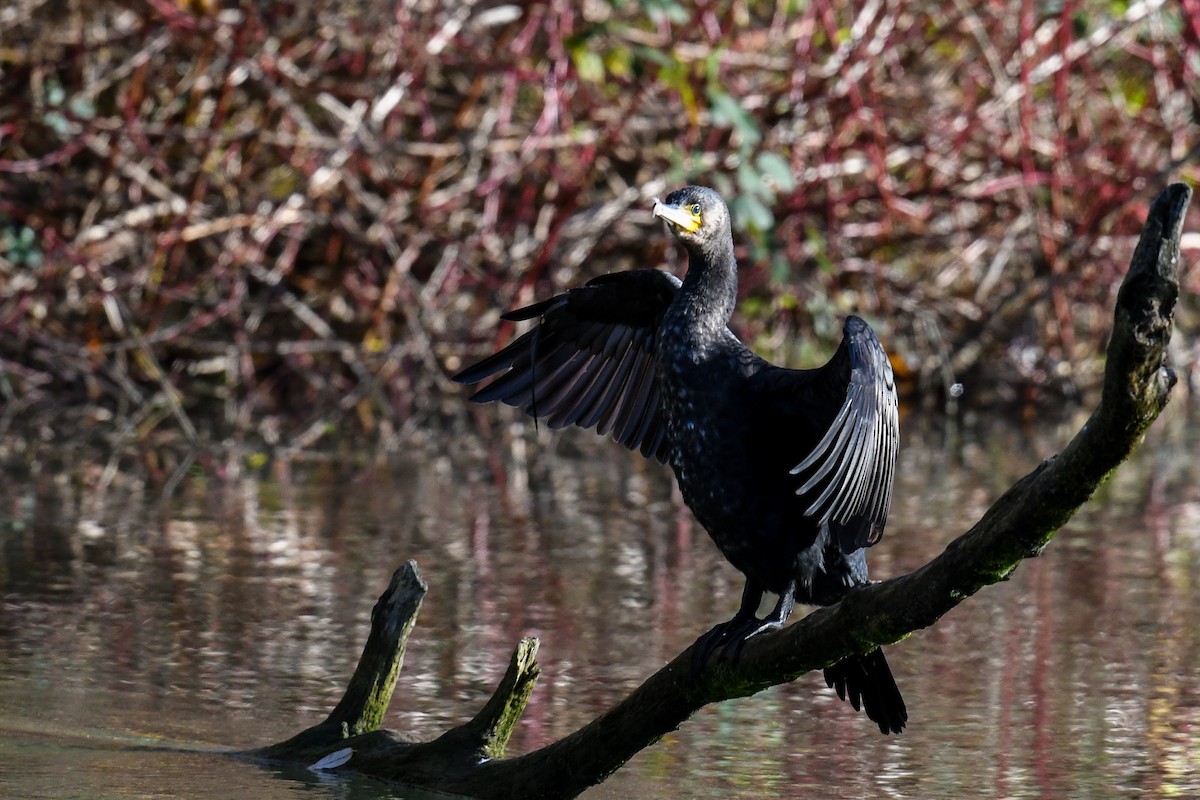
x: 789, y: 471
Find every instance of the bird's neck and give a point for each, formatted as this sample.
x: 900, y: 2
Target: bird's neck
x: 709, y: 289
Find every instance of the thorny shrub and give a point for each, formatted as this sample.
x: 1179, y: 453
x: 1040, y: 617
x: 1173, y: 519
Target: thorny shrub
x: 284, y: 219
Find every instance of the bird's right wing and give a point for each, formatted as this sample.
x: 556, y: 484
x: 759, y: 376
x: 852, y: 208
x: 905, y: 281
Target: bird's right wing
x: 589, y: 361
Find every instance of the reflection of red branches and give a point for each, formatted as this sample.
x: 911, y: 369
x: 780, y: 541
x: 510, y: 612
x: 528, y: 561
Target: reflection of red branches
x: 1044, y: 755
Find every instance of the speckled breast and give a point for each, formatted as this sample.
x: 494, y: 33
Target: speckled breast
x: 706, y: 454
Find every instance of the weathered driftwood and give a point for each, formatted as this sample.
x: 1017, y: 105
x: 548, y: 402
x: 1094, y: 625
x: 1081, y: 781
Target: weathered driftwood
x: 469, y: 760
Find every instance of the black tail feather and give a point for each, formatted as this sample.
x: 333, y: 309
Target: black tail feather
x: 866, y: 682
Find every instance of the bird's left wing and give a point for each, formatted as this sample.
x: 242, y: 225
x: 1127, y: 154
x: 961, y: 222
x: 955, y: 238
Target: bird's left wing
x: 589, y: 361
x: 846, y: 479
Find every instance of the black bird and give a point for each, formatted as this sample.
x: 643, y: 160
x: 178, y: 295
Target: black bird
x: 789, y: 471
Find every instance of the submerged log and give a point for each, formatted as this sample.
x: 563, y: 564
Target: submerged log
x: 470, y: 759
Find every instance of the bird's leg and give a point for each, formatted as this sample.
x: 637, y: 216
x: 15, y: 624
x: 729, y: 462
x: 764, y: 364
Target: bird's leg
x: 779, y: 616
x: 730, y: 636
x: 744, y: 623
x: 747, y: 613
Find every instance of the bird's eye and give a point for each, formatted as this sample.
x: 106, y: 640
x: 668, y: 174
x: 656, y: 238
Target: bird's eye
x: 696, y: 210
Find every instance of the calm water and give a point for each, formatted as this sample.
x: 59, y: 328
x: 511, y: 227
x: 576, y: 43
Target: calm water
x: 137, y: 632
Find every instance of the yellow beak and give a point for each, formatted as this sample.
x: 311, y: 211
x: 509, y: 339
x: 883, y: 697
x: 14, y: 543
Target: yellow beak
x: 684, y: 220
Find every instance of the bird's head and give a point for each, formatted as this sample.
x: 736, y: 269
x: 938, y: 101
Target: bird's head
x: 696, y: 215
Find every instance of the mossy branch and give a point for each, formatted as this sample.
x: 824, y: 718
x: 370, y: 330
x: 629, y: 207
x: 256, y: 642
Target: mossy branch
x: 468, y: 760
x: 369, y: 692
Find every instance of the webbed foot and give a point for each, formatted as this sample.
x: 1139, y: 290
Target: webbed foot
x: 728, y: 638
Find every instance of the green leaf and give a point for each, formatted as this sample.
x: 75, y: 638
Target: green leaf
x: 657, y: 9
x: 750, y: 182
x: 57, y: 121
x: 55, y: 94
x: 727, y: 112
x: 781, y: 271
x: 82, y: 107
x: 776, y: 167
x: 655, y: 56
x: 721, y: 182
x: 676, y: 75
x: 753, y: 213
x: 589, y: 65
x: 619, y: 62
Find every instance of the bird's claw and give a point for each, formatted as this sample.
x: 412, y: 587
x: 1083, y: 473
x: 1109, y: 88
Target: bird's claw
x: 728, y: 638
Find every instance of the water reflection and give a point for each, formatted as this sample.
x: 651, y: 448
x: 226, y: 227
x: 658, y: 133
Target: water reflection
x: 233, y: 611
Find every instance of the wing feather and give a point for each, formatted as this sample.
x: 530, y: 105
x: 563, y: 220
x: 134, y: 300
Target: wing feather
x: 607, y: 403
x: 589, y: 360
x: 584, y: 392
x: 517, y: 385
x: 852, y: 468
x: 607, y: 388
x: 629, y: 419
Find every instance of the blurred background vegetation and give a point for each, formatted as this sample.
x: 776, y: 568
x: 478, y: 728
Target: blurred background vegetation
x: 284, y: 220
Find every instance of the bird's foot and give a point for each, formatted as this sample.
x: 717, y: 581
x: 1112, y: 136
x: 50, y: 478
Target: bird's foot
x: 727, y: 639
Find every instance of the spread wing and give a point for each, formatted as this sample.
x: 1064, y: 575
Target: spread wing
x: 589, y: 361
x: 846, y: 478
